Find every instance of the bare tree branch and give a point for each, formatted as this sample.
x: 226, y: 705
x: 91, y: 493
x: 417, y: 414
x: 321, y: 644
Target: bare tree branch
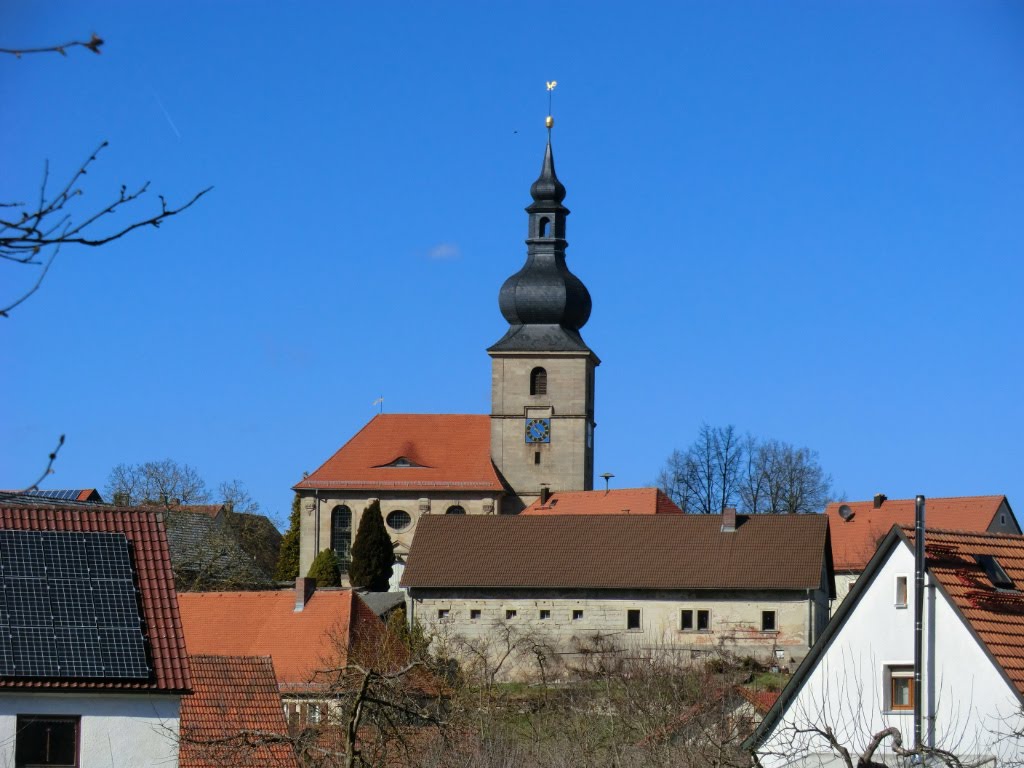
x: 93, y: 44
x: 49, y: 467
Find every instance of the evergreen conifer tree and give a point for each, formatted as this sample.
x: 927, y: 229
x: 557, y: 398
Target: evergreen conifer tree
x: 287, y: 568
x: 325, y: 569
x: 372, y: 552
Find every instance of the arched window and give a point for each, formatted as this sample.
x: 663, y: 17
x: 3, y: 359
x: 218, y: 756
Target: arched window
x: 544, y: 229
x: 398, y: 520
x: 341, y: 534
x: 538, y: 381
x: 455, y: 509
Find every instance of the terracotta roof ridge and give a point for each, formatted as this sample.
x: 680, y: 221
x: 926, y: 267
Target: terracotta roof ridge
x: 1014, y: 537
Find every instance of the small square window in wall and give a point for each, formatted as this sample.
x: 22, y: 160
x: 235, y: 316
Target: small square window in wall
x: 633, y: 618
x: 474, y: 613
x: 768, y: 623
x: 686, y: 621
x: 545, y: 614
x: 900, y: 598
x: 703, y: 621
x: 442, y: 613
x: 577, y: 615
x: 510, y: 614
x: 47, y: 740
x: 901, y: 687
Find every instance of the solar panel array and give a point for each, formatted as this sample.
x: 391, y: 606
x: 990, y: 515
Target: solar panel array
x: 69, y: 607
x: 60, y: 494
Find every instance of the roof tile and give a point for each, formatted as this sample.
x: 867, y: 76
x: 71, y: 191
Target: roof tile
x: 234, y: 717
x: 621, y: 501
x: 450, y: 451
x: 603, y: 552
x: 145, y: 532
x: 854, y: 541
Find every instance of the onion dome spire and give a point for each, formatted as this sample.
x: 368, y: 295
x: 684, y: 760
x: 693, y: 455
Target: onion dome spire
x: 544, y: 303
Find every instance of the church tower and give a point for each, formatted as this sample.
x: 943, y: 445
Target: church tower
x: 542, y: 372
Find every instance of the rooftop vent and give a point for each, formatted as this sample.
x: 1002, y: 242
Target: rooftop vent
x: 994, y: 571
x: 846, y: 512
x: 880, y: 499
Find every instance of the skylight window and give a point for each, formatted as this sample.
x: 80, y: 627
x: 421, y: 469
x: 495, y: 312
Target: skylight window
x: 995, y: 572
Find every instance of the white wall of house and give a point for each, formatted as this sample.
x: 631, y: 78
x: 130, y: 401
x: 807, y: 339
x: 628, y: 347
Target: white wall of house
x: 117, y: 731
x: 970, y: 703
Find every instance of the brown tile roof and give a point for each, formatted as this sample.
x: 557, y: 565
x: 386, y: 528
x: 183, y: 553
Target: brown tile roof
x: 997, y: 616
x: 618, y: 552
x: 144, y: 530
x: 234, y: 717
x: 333, y: 624
x: 632, y: 501
x: 449, y: 452
x: 855, y: 541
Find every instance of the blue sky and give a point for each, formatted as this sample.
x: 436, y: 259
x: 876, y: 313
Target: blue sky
x: 803, y: 219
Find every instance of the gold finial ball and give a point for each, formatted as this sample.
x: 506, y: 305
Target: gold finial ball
x: 549, y: 121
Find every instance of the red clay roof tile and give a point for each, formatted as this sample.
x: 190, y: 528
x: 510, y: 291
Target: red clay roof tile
x: 144, y: 530
x: 620, y: 501
x: 320, y: 636
x: 234, y: 715
x: 854, y: 541
x: 996, y: 615
x: 450, y: 451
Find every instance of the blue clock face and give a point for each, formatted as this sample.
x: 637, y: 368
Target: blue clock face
x: 538, y: 430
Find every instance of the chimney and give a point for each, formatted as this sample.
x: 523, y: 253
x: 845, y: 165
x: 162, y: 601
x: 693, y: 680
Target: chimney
x: 545, y: 494
x: 880, y: 498
x: 304, y: 589
x: 729, y: 520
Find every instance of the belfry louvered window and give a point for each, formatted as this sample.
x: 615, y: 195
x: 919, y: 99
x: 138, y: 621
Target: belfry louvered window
x: 538, y: 381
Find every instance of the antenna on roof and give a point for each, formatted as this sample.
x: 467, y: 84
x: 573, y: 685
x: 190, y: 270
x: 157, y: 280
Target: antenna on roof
x: 846, y: 512
x: 607, y: 476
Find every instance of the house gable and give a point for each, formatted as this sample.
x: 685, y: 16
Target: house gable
x: 843, y: 683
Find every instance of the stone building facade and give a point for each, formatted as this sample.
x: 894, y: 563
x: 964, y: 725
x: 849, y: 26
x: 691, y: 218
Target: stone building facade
x: 693, y: 585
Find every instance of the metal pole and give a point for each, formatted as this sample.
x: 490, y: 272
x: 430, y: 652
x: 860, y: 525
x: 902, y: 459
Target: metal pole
x: 918, y: 612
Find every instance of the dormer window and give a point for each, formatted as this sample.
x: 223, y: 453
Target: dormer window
x: 402, y: 462
x: 994, y: 571
x: 538, y: 381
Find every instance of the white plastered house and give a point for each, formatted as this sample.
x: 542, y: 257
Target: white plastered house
x: 858, y: 679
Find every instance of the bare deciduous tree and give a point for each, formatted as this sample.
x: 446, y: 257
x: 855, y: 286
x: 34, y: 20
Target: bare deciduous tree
x: 720, y: 470
x: 166, y: 483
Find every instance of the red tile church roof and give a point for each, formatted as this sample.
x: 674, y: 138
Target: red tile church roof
x: 621, y: 501
x: 441, y: 451
x: 854, y: 541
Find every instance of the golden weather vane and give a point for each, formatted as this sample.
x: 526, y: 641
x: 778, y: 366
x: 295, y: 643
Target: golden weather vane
x: 550, y: 121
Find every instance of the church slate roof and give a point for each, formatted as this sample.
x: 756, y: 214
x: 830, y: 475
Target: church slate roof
x: 854, y: 541
x: 444, y: 451
x: 620, y: 501
x: 766, y: 552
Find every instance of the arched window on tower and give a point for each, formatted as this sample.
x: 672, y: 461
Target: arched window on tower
x: 544, y: 228
x: 341, y: 535
x: 538, y: 381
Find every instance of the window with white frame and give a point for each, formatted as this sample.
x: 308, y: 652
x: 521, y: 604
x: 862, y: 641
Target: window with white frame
x: 695, y: 620
x: 900, y: 596
x: 442, y: 613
